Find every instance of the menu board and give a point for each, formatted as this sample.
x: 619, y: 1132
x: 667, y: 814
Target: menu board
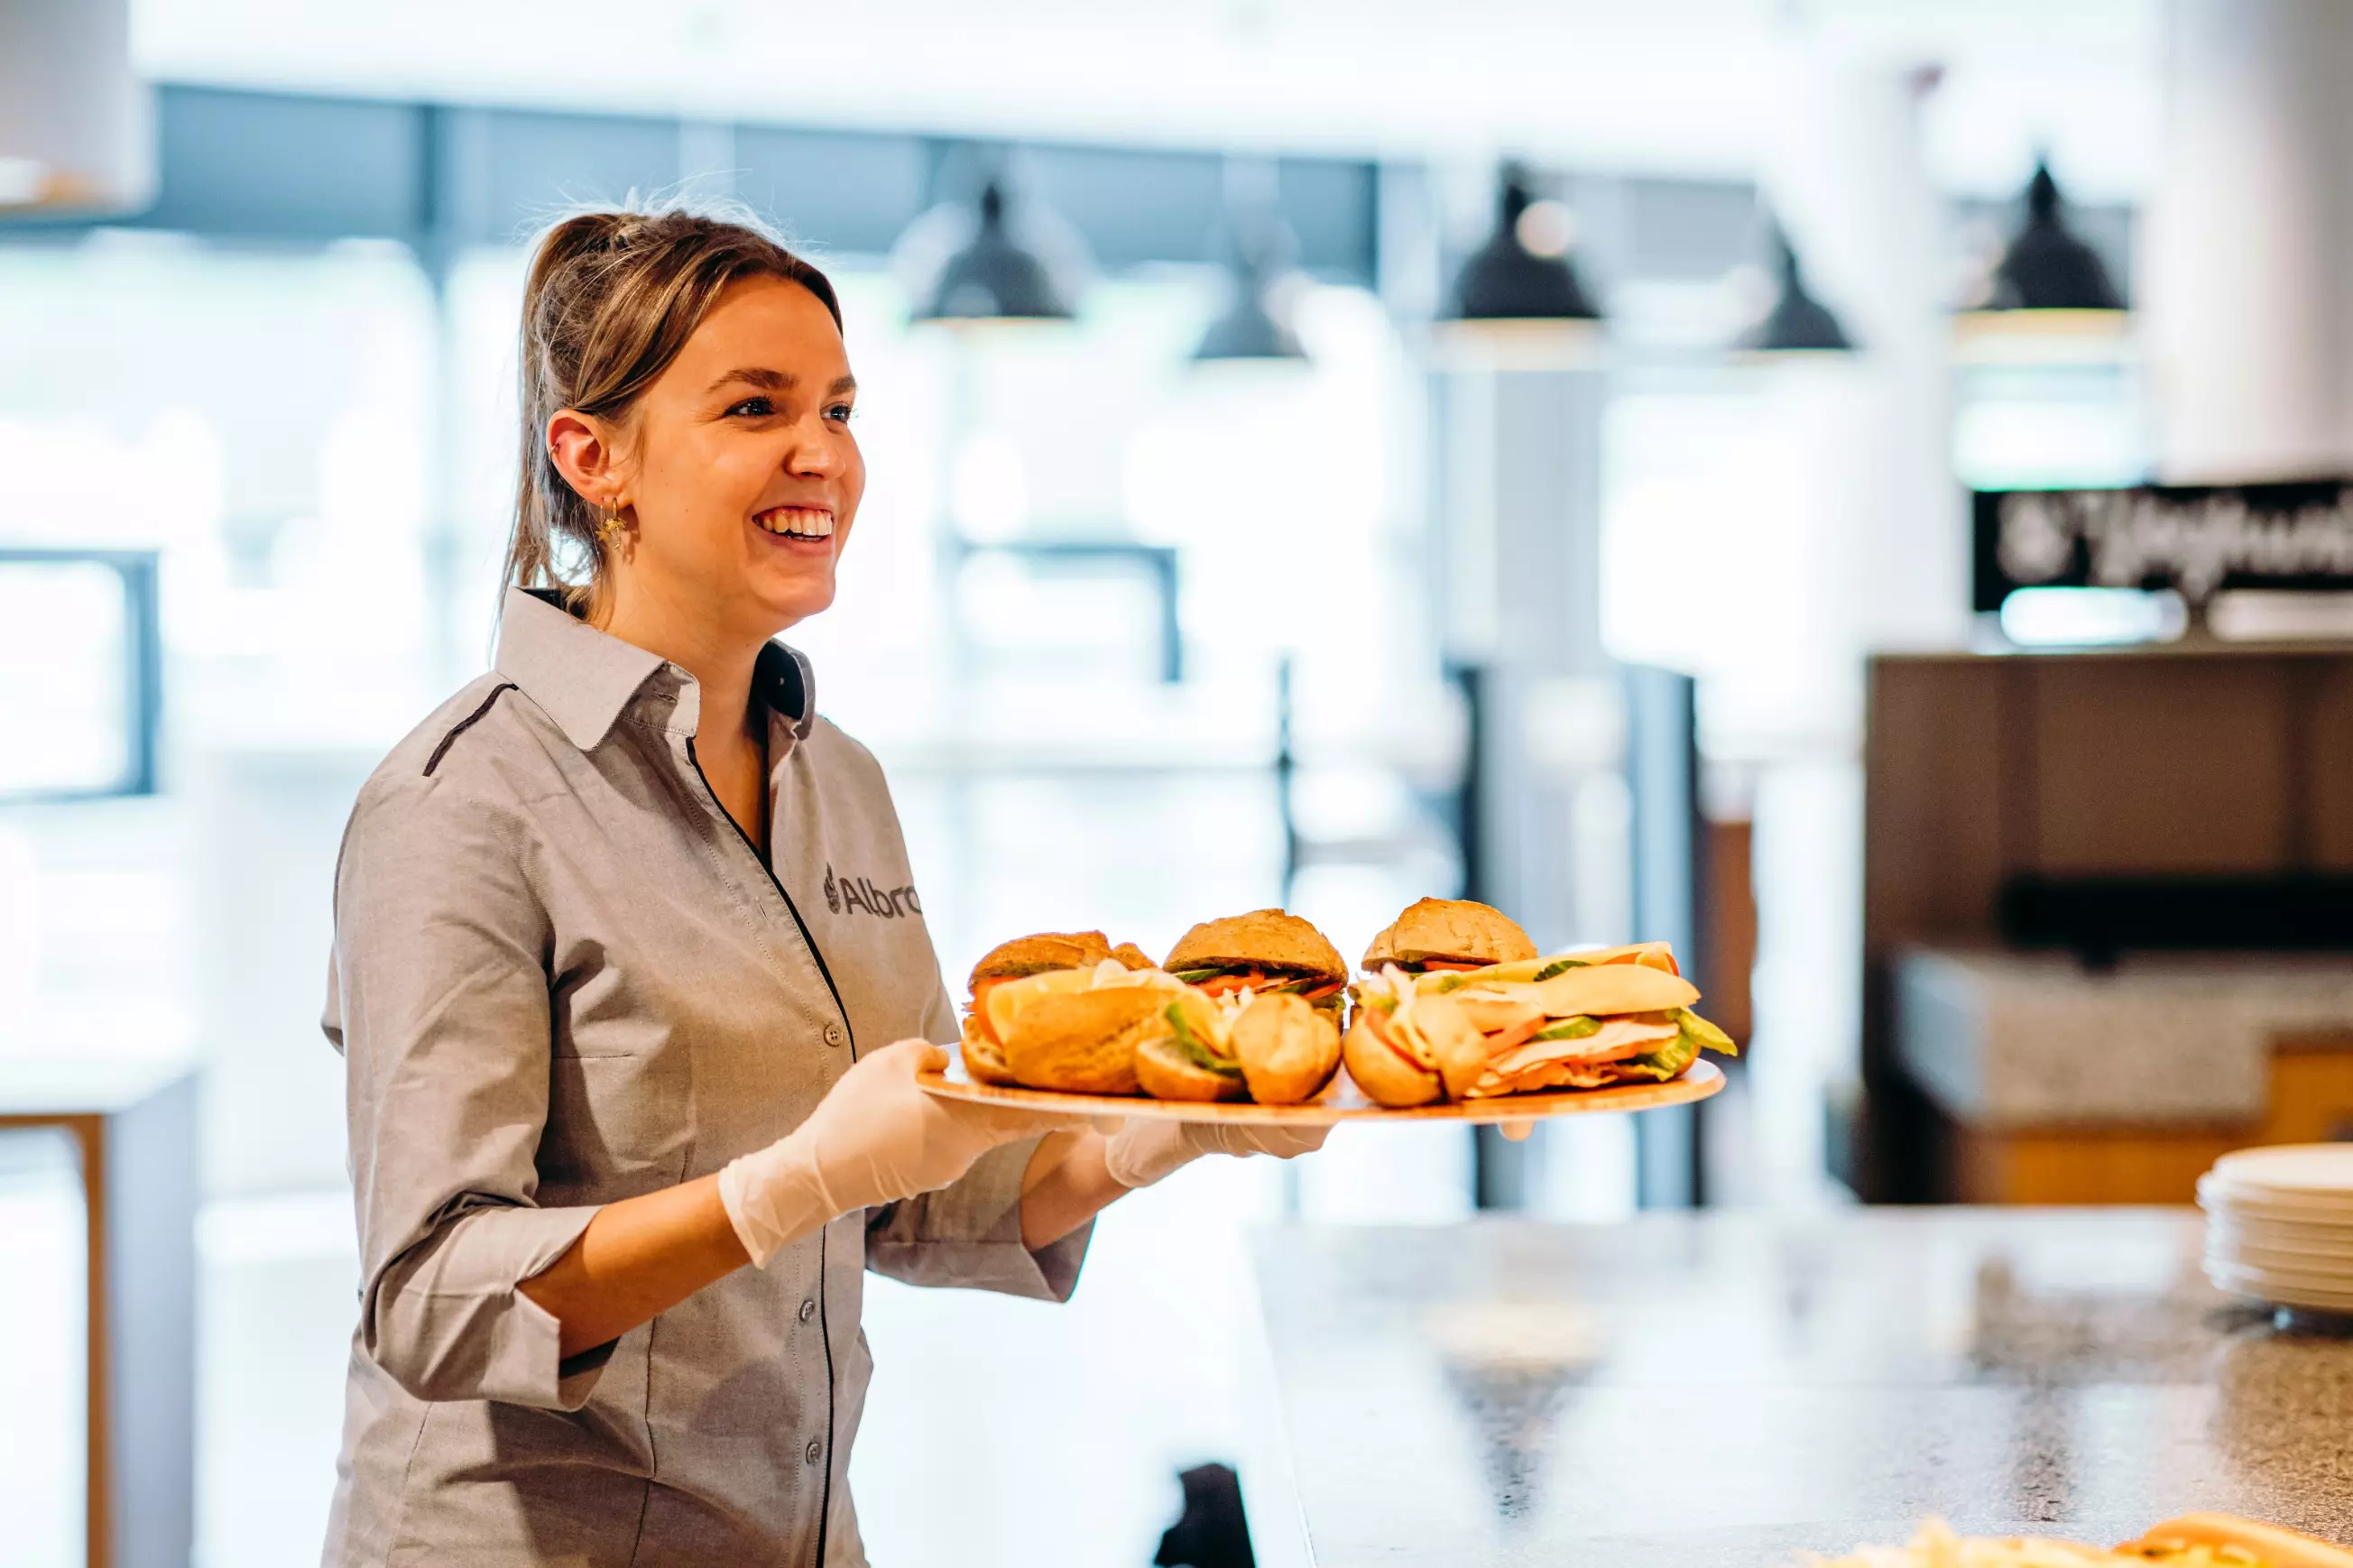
x: 78, y: 673
x: 2198, y: 540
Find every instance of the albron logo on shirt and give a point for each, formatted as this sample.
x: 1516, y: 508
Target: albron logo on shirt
x: 859, y: 894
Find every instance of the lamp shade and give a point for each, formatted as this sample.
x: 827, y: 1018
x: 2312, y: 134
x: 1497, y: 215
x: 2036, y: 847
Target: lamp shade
x: 994, y: 278
x: 1504, y: 281
x: 2047, y: 267
x: 1250, y: 329
x: 1798, y: 323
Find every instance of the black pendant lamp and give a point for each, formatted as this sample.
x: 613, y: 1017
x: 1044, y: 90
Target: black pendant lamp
x: 994, y: 278
x: 1250, y: 330
x: 1504, y: 281
x: 2047, y: 265
x: 1798, y: 323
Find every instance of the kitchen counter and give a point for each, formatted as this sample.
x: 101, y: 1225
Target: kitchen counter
x: 2028, y: 1039
x: 1727, y: 1388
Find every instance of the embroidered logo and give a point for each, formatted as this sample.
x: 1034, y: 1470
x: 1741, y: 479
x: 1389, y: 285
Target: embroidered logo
x: 845, y: 893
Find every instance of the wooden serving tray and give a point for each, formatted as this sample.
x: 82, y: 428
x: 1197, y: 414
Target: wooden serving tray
x: 1340, y: 1100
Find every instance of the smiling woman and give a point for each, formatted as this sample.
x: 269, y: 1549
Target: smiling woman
x: 609, y: 1034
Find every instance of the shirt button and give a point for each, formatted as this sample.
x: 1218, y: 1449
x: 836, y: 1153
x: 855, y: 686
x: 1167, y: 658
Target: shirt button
x: 808, y: 1311
x: 833, y: 1033
x: 813, y: 1452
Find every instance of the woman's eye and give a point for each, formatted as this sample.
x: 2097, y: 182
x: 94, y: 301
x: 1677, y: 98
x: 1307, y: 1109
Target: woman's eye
x: 840, y: 413
x: 753, y: 407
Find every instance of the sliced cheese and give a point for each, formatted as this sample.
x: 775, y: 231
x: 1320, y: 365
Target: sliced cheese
x: 1006, y: 1000
x: 1648, y: 954
x: 1612, y: 988
x: 1491, y: 1013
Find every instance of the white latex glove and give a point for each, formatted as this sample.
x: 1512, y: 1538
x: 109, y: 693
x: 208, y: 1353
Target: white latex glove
x: 875, y: 1137
x: 1146, y: 1150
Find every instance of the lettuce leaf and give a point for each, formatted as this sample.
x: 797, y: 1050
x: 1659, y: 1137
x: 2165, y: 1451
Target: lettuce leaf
x: 1693, y: 1033
x: 1575, y: 1028
x: 1190, y: 1048
x: 1667, y: 1062
x: 1558, y: 966
x: 1708, y: 1035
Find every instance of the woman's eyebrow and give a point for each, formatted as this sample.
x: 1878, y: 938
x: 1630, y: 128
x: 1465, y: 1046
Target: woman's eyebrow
x: 754, y: 375
x: 779, y: 381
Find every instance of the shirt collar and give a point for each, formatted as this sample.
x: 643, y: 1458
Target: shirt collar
x: 583, y: 679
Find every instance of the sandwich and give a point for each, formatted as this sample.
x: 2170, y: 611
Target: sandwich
x: 1079, y: 1041
x: 1276, y: 1048
x: 1261, y: 953
x: 1189, y: 1055
x: 1434, y: 935
x: 1077, y: 956
x: 1580, y: 1020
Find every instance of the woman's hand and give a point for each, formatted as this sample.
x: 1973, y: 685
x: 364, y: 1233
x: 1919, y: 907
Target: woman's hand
x: 874, y: 1139
x: 1144, y: 1152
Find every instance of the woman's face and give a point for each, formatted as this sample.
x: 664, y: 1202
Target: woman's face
x: 740, y: 473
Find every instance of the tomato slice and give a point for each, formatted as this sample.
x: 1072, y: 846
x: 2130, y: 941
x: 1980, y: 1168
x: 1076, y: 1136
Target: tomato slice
x: 1449, y: 965
x: 1320, y: 992
x: 1225, y: 985
x: 1503, y: 1040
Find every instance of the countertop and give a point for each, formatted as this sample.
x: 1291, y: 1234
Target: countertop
x: 2024, y: 1039
x: 1730, y: 1388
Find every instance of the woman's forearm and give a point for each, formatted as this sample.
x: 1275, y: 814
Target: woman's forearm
x: 642, y: 1256
x: 639, y: 1258
x: 1066, y: 1185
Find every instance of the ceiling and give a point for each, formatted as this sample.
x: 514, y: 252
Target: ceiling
x: 1649, y: 86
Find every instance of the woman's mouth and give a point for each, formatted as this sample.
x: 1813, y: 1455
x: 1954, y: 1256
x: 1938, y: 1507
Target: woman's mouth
x: 796, y: 521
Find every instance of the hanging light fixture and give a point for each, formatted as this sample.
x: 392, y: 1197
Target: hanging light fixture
x: 2049, y: 299
x: 1522, y: 273
x: 994, y: 278
x: 2047, y: 265
x: 1798, y: 323
x: 1251, y: 327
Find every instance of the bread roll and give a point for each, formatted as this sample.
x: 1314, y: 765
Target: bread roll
x: 983, y: 1061
x: 1386, y: 1076
x: 1082, y: 1042
x: 1288, y: 1049
x: 1171, y: 1068
x: 1036, y: 954
x: 1453, y: 929
x: 1274, y: 939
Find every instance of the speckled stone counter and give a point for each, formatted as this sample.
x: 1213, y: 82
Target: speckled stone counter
x: 1693, y: 1390
x: 2011, y: 1039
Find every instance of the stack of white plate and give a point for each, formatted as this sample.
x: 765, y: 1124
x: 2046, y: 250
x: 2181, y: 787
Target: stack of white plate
x: 2279, y: 1224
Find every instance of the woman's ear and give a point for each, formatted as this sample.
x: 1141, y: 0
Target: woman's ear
x: 587, y: 454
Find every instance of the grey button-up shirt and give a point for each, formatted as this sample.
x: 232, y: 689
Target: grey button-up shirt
x: 562, y: 976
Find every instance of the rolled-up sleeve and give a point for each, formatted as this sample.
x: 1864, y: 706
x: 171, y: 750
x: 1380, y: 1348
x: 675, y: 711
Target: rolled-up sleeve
x: 968, y: 1234
x: 440, y: 1001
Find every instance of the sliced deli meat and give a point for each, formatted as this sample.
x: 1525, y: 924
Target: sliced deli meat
x: 1616, y: 1040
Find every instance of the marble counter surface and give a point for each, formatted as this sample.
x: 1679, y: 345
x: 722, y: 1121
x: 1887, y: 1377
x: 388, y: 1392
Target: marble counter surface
x: 1726, y: 1388
x: 2016, y: 1039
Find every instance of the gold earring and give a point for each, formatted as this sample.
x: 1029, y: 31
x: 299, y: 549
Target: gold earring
x: 612, y: 531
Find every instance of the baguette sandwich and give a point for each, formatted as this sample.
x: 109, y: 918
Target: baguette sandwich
x: 1015, y: 975
x: 1520, y: 1026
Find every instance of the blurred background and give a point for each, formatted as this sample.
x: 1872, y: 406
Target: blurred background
x: 1321, y: 454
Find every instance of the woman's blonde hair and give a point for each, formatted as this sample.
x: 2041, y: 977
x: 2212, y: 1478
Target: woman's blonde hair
x: 612, y: 297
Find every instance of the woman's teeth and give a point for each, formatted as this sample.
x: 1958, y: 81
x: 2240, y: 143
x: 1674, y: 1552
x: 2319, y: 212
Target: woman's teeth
x: 797, y: 522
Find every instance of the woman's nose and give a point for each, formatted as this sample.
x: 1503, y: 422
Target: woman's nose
x: 818, y: 452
